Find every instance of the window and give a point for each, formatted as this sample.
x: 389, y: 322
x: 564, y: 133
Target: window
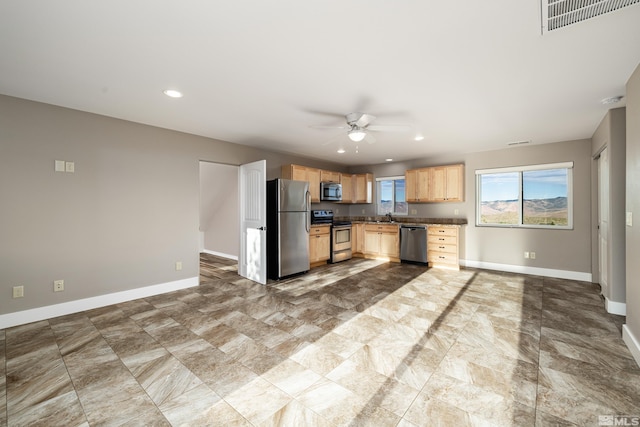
x: 529, y: 196
x: 391, y: 196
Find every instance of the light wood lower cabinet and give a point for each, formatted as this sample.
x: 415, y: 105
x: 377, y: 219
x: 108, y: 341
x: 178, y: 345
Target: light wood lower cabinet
x: 319, y: 245
x: 442, y: 246
x: 382, y: 241
x: 357, y: 239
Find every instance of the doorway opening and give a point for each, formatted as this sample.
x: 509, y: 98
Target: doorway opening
x: 219, y: 211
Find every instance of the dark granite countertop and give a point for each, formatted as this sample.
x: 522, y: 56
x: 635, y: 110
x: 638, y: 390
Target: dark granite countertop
x: 404, y: 220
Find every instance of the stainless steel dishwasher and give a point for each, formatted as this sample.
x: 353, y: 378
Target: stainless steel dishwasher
x: 413, y: 243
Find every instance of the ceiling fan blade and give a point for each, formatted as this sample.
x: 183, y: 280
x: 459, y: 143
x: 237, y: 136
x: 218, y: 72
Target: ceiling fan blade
x: 324, y: 113
x: 389, y: 128
x: 328, y: 127
x: 364, y: 120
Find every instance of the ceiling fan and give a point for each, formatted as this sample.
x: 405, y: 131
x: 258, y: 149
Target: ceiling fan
x: 359, y: 126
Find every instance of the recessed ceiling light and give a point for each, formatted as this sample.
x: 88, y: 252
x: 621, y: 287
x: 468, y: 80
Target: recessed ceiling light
x: 172, y: 93
x: 388, y: 160
x: 341, y: 150
x: 611, y: 100
x: 419, y: 137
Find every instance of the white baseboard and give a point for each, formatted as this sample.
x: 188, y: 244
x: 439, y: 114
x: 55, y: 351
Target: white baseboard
x: 632, y: 342
x: 535, y: 271
x: 220, y: 254
x: 41, y: 313
x: 619, y: 308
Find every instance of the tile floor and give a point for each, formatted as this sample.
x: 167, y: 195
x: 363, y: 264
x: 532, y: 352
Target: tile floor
x: 357, y: 343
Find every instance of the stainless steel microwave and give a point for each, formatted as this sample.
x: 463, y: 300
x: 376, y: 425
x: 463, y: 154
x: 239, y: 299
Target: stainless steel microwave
x: 331, y: 191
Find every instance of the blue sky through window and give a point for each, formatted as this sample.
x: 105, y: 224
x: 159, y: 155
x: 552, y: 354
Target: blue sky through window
x: 538, y: 184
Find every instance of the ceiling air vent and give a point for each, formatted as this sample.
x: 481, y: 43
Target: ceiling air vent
x: 560, y: 13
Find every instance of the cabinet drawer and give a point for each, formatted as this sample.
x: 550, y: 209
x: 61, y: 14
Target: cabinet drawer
x: 382, y: 228
x: 441, y: 247
x: 442, y: 231
x: 444, y: 239
x: 318, y: 230
x: 442, y: 257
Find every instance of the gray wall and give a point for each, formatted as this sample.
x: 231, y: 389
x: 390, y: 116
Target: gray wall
x: 219, y: 211
x: 611, y: 133
x: 555, y: 249
x: 120, y: 222
x: 633, y: 203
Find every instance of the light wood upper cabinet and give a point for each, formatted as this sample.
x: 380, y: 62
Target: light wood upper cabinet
x: 347, y: 187
x: 446, y: 183
x: 411, y: 185
x: 435, y: 184
x: 417, y: 185
x: 363, y: 188
x: 329, y: 176
x: 356, y: 188
x: 303, y: 173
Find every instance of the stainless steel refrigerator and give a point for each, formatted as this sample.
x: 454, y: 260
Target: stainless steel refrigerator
x: 288, y: 225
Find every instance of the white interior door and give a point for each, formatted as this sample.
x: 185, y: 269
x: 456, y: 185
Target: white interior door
x: 252, y: 262
x: 603, y: 220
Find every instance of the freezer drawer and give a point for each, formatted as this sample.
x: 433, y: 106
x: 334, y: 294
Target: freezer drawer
x: 413, y: 244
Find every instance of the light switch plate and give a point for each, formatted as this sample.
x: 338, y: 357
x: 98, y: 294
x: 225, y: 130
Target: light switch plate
x: 60, y: 166
x: 630, y: 219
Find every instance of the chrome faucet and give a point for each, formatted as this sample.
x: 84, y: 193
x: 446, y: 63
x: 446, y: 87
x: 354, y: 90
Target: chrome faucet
x: 389, y: 216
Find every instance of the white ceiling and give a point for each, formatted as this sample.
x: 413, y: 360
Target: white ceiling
x: 469, y: 75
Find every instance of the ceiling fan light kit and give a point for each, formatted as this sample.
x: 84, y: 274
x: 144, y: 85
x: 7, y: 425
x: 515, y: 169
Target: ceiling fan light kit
x: 356, y: 134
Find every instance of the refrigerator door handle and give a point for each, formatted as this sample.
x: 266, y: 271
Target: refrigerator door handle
x: 308, y: 211
x: 262, y: 228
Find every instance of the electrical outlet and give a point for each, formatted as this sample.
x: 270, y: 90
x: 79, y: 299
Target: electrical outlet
x: 58, y: 285
x: 526, y: 254
x: 629, y: 219
x: 18, y: 291
x: 362, y: 210
x: 533, y: 255
x: 414, y: 211
x: 456, y: 212
x: 178, y: 265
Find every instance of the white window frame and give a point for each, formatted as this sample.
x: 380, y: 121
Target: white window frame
x: 379, y: 193
x: 520, y: 169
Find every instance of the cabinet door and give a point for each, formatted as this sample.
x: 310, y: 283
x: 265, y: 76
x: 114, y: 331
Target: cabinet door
x: 358, y: 238
x: 437, y: 184
x: 319, y: 248
x: 347, y: 188
x: 454, y: 183
x: 323, y: 247
x: 389, y: 244
x: 371, y: 242
x: 423, y: 185
x: 299, y: 173
x: 314, y: 184
x: 363, y: 188
x: 329, y: 176
x: 411, y: 185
